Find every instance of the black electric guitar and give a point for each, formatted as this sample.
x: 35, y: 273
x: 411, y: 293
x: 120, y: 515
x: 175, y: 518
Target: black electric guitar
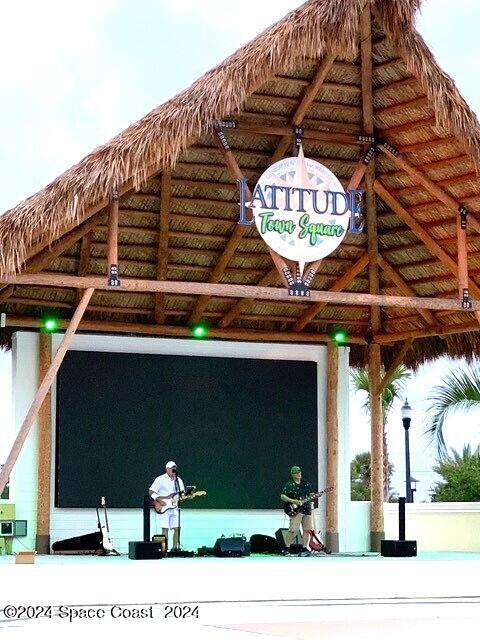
x: 292, y: 509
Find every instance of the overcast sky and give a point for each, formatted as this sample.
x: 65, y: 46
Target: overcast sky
x: 73, y: 74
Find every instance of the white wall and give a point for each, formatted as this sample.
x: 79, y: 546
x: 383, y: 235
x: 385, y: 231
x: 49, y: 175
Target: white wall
x: 438, y: 526
x: 24, y: 481
x: 199, y: 527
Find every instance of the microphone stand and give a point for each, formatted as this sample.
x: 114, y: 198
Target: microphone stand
x: 177, y: 489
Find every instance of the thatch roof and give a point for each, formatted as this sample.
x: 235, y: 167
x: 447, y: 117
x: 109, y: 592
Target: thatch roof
x: 417, y: 107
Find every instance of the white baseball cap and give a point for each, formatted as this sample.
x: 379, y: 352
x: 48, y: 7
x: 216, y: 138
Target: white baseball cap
x: 170, y: 464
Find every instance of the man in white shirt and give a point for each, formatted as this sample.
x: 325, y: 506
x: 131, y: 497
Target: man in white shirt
x: 163, y: 489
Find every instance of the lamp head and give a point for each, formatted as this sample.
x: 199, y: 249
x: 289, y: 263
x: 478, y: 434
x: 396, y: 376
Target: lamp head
x: 406, y: 411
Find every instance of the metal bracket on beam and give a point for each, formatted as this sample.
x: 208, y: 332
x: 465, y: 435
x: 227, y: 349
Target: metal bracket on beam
x: 389, y: 147
x: 113, y: 280
x: 463, y: 217
x: 466, y: 302
x: 368, y: 139
x: 227, y: 124
x: 297, y: 287
x: 298, y: 136
x: 368, y: 157
x: 219, y: 128
x: 309, y: 278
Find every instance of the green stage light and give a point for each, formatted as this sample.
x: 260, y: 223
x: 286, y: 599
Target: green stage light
x: 340, y: 336
x: 50, y: 325
x: 199, y: 331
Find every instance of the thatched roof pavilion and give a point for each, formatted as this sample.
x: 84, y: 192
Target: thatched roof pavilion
x: 178, y: 212
x: 160, y: 202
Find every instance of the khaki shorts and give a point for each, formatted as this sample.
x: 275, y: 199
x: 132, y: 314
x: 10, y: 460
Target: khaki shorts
x: 301, y: 519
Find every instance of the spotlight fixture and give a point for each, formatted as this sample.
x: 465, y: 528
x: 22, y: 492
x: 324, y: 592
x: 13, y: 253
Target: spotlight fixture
x: 199, y: 331
x: 50, y: 324
x: 340, y: 336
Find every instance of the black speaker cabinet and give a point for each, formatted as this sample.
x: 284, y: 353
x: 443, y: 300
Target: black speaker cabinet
x: 398, y: 548
x: 140, y: 550
x: 231, y: 548
x: 281, y: 536
x: 260, y: 543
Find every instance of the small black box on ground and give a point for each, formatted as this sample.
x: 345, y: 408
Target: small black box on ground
x: 260, y: 543
x: 140, y: 550
x: 231, y: 548
x: 398, y: 548
x: 281, y: 536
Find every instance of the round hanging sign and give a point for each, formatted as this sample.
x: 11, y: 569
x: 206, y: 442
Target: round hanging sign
x: 301, y: 209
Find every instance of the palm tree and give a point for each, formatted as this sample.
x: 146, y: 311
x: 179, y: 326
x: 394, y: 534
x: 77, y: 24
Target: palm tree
x: 459, y: 390
x: 361, y: 383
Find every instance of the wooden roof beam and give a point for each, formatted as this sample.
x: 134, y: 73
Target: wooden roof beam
x: 464, y: 282
x: 404, y: 288
x: 162, y: 258
x: 421, y: 178
x: 339, y: 285
x: 235, y: 291
x: 420, y: 232
x: 242, y: 305
x: 304, y: 104
x: 445, y: 330
x: 39, y: 261
x: 184, y: 332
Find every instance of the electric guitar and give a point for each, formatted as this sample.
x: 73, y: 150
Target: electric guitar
x: 292, y: 509
x: 107, y: 543
x: 172, y: 503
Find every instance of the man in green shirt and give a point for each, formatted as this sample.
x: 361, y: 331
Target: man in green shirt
x: 294, y: 492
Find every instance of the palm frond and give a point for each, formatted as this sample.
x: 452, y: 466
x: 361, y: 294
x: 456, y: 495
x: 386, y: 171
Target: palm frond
x: 393, y: 390
x: 459, y: 391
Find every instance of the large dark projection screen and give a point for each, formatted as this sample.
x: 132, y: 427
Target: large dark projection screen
x: 234, y: 426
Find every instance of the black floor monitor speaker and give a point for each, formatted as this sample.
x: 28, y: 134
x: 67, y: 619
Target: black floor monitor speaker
x: 399, y: 548
x: 281, y: 536
x: 140, y: 550
x: 231, y: 548
x: 260, y: 543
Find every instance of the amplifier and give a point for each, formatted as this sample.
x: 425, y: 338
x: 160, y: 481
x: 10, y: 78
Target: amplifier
x: 231, y: 548
x: 281, y: 536
x: 398, y: 548
x: 140, y: 550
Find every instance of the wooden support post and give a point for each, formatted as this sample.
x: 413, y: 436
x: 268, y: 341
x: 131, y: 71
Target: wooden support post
x: 83, y: 262
x: 368, y: 125
x: 43, y: 389
x: 44, y: 450
x: 112, y: 242
x: 376, y: 508
x: 162, y: 261
x: 398, y: 360
x: 374, y: 355
x: 331, y: 537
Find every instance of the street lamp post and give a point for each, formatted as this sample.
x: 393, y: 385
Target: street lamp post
x: 406, y: 419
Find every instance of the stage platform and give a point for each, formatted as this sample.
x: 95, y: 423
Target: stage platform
x: 337, y: 596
